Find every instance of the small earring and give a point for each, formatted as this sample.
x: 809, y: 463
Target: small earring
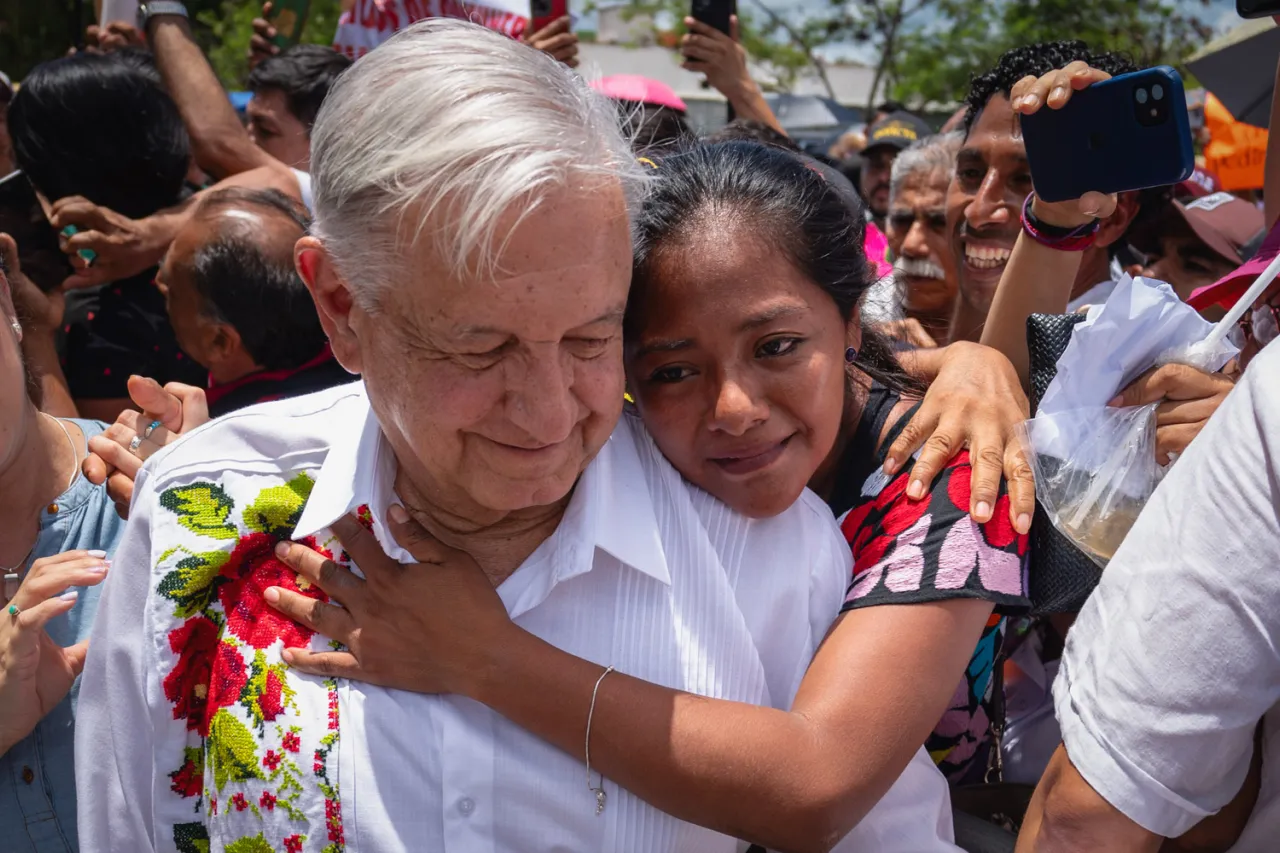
x: 17, y: 327
x: 851, y: 355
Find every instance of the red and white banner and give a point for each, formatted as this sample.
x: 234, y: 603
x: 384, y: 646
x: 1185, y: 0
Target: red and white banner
x: 369, y: 23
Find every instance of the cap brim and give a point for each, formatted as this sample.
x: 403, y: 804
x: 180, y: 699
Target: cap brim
x: 1227, y: 290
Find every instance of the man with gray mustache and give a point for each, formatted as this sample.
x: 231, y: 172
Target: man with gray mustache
x: 924, y: 269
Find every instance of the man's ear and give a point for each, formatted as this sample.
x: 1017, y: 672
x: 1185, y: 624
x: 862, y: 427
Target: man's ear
x: 224, y: 343
x: 1115, y: 225
x: 333, y: 299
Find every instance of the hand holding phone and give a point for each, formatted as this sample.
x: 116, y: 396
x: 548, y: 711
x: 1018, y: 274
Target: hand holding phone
x: 288, y: 17
x: 1257, y: 8
x: 1089, y: 135
x: 714, y: 13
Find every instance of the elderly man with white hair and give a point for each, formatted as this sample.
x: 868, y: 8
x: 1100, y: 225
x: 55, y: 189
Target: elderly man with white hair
x: 471, y: 260
x: 920, y: 299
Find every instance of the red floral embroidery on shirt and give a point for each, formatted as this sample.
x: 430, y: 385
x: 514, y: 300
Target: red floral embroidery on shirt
x: 252, y: 568
x: 187, y: 685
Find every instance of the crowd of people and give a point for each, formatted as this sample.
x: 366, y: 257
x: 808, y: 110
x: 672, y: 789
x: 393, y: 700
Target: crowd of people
x: 448, y: 451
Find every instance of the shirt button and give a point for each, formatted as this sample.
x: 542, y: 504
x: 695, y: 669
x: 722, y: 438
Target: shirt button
x: 466, y: 806
x: 28, y: 775
x: 52, y: 509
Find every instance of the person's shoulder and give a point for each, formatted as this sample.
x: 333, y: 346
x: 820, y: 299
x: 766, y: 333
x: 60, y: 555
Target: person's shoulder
x: 265, y: 435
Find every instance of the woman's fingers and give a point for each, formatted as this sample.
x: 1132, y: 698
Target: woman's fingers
x: 329, y: 664
x: 328, y: 619
x: 75, y: 655
x: 53, y: 580
x: 986, y: 460
x: 31, y: 619
x: 117, y: 456
x: 1020, y: 480
x: 337, y: 582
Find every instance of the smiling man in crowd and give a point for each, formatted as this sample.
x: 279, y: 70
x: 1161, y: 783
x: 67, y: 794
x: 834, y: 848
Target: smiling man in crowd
x: 993, y: 178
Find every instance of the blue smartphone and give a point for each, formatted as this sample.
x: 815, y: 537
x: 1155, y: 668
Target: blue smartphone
x: 1127, y: 133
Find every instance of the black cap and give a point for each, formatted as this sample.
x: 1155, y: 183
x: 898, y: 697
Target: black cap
x: 898, y: 130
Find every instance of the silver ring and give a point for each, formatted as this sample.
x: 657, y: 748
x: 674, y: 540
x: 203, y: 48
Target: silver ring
x: 151, y: 427
x: 134, y: 444
x: 14, y: 610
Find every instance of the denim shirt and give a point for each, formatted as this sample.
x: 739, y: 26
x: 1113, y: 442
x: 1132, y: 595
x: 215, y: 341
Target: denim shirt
x: 37, y: 776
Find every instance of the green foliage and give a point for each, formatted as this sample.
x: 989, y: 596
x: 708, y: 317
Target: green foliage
x: 229, y: 26
x: 935, y: 62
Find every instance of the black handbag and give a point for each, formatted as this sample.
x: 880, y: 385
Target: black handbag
x: 1062, y: 576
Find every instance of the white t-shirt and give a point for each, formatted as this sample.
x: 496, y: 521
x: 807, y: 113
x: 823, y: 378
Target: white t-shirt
x: 1176, y: 655
x: 304, y: 188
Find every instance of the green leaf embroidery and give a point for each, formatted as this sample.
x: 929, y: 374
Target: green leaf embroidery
x: 202, y: 508
x: 191, y: 838
x: 193, y: 582
x: 256, y: 844
x: 276, y: 510
x: 266, y: 697
x: 232, y: 751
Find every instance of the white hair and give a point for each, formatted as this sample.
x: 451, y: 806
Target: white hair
x: 440, y: 132
x: 927, y: 156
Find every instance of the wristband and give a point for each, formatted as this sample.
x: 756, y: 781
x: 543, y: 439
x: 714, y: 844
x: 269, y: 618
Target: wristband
x: 1063, y: 239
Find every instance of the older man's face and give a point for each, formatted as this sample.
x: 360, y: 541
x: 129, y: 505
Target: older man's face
x: 917, y: 235
x: 496, y: 394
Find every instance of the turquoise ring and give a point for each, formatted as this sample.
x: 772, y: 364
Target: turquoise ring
x: 14, y: 610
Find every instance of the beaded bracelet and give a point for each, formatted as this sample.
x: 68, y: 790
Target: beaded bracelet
x: 1075, y: 239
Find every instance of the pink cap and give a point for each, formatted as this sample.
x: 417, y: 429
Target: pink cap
x: 1228, y: 289
x: 644, y: 90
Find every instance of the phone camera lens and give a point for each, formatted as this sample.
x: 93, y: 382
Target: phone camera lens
x: 1140, y: 96
x: 1157, y: 92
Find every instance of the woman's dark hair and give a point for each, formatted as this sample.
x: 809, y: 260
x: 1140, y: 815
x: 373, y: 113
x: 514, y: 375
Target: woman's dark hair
x: 791, y: 205
x: 652, y: 127
x: 101, y: 127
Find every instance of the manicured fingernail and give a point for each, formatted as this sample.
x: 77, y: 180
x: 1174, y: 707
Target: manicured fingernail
x: 397, y: 513
x: 1058, y: 92
x: 96, y: 553
x: 271, y: 594
x: 982, y: 511
x: 891, y: 466
x: 1029, y: 100
x: 915, y: 490
x: 100, y: 567
x: 70, y: 595
x: 1023, y: 524
x: 282, y: 549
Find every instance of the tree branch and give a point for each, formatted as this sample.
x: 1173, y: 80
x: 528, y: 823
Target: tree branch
x: 803, y: 44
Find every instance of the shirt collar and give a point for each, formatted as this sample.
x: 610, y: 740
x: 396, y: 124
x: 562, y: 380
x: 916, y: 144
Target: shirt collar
x: 611, y: 507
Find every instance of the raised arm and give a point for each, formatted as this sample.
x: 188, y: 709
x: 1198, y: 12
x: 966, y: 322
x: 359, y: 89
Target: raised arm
x: 219, y: 142
x: 1038, y: 278
x: 724, y: 60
